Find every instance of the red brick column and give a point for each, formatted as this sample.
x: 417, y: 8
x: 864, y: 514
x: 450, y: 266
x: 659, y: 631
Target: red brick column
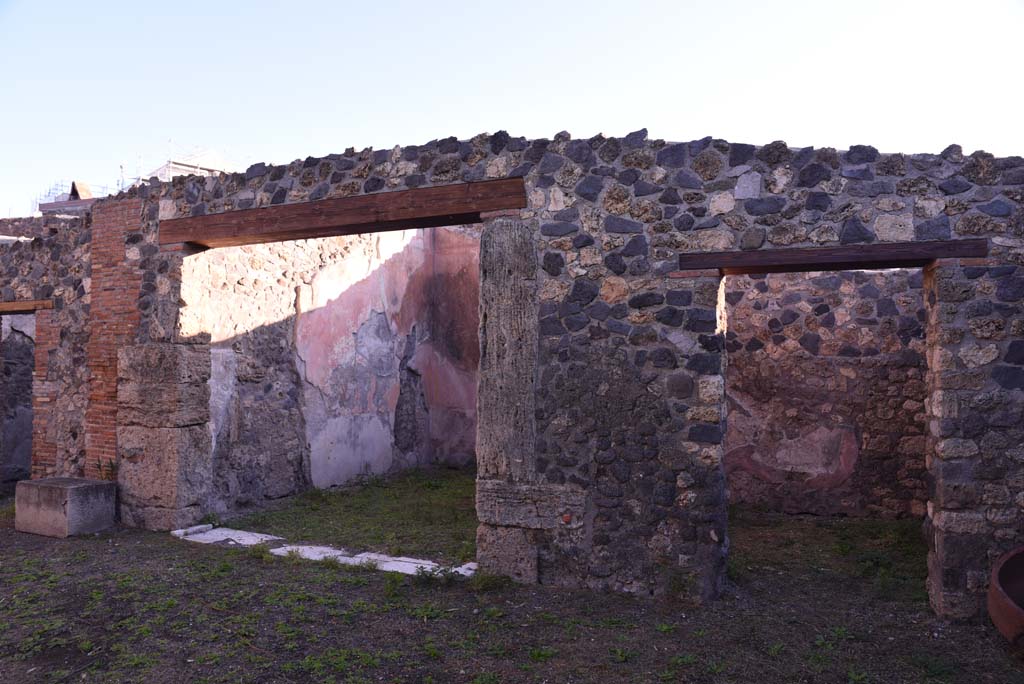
x: 44, y: 393
x: 113, y: 321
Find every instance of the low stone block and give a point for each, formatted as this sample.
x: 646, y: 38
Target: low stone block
x: 507, y: 551
x: 532, y: 506
x: 64, y: 506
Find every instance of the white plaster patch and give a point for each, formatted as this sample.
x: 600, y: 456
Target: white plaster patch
x: 975, y: 355
x: 930, y: 207
x: 780, y: 179
x: 890, y: 228
x: 167, y: 209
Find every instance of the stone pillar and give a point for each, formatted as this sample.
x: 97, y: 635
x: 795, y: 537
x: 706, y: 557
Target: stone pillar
x: 516, y: 512
x: 975, y: 451
x: 506, y: 432
x: 163, y: 434
x: 508, y: 352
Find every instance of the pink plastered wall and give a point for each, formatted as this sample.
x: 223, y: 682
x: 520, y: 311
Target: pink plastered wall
x: 387, y: 349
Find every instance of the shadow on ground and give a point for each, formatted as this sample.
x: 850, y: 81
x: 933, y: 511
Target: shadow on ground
x: 811, y: 601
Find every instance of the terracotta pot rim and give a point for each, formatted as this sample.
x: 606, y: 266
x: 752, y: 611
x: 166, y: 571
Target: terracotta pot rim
x: 994, y: 582
x: 1005, y: 613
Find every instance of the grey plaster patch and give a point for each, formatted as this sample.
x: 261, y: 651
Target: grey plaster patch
x: 345, y: 447
x: 223, y: 382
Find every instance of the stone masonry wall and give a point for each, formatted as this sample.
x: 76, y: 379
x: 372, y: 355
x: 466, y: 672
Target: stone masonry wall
x: 244, y: 301
x: 975, y: 446
x: 29, y: 227
x: 826, y: 391
x: 54, y: 264
x: 614, y: 478
x: 335, y: 358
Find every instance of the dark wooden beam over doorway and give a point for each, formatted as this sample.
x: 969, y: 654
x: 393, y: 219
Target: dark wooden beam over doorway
x: 25, y: 306
x: 843, y: 258
x: 439, y: 205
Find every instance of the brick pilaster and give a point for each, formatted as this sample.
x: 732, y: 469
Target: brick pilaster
x: 44, y: 393
x: 113, y: 321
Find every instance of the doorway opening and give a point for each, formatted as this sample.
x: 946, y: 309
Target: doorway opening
x: 342, y: 388
x: 948, y: 269
x: 17, y: 355
x: 825, y: 392
x: 825, y: 443
x: 367, y: 308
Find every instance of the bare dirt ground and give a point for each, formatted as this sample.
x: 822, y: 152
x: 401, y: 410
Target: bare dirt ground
x: 810, y: 601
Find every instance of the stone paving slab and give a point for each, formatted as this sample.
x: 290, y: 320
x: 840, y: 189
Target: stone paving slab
x: 217, y: 535
x: 379, y: 561
x: 207, y: 534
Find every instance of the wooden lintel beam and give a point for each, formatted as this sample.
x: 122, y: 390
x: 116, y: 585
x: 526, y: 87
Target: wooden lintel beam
x: 842, y: 258
x: 439, y: 205
x: 25, y: 306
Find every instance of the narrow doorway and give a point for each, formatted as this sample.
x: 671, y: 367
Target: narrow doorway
x: 17, y: 350
x: 826, y: 382
x: 825, y: 389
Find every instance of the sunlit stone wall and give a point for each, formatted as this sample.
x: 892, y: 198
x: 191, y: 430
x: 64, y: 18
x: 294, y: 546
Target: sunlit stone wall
x: 335, y: 359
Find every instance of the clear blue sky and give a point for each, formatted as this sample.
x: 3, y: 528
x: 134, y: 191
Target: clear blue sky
x: 87, y: 86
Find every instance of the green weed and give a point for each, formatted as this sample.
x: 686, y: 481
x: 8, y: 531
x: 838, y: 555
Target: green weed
x: 621, y: 655
x: 542, y: 654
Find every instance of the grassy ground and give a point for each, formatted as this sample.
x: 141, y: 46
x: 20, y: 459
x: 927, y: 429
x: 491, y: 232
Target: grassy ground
x: 813, y: 601
x: 887, y: 556
x: 428, y: 514
x: 7, y: 509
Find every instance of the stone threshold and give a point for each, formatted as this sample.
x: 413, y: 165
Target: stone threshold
x: 208, y: 534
